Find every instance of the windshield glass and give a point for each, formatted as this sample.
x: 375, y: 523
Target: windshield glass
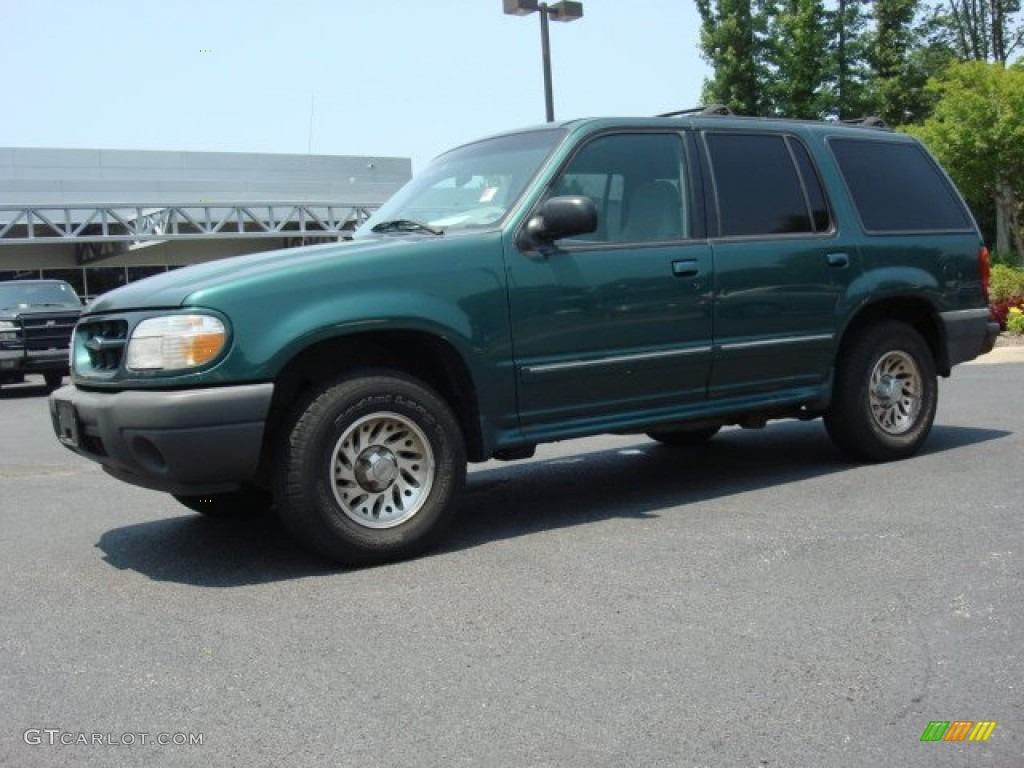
x: 16, y: 295
x: 470, y: 187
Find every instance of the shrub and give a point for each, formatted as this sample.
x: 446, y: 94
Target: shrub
x: 1015, y: 320
x: 1005, y: 257
x: 1006, y: 293
x: 1007, y: 283
x: 1000, y: 311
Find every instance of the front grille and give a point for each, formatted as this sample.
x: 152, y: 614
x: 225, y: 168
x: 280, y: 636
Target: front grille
x: 48, y: 331
x: 104, y: 341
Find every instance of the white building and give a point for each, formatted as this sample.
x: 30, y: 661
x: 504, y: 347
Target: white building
x: 100, y: 218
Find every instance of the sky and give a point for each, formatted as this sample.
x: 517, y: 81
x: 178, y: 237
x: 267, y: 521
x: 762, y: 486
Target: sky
x: 398, y: 78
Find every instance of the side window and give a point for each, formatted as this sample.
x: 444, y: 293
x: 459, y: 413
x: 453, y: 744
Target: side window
x: 812, y: 186
x: 637, y: 183
x: 898, y: 188
x: 760, y: 191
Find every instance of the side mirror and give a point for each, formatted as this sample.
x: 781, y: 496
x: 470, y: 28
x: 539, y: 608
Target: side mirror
x: 560, y: 217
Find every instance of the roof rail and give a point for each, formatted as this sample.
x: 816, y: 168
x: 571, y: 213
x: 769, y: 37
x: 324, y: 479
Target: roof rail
x: 870, y: 121
x: 710, y: 109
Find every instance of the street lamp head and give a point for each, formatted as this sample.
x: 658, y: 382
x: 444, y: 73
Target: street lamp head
x: 564, y: 11
x: 520, y: 7
x: 561, y: 11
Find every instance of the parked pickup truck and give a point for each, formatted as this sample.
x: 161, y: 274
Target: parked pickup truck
x: 36, y: 320
x: 662, y: 276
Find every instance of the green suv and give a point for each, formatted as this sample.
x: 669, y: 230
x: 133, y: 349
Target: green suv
x: 667, y: 276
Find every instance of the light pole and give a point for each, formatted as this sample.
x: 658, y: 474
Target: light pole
x: 562, y: 11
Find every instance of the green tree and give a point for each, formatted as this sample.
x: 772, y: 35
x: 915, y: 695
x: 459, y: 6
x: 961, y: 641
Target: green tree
x: 850, y: 78
x: 977, y: 132
x: 797, y: 59
x: 803, y: 58
x: 729, y: 43
x: 892, y: 40
x: 983, y: 30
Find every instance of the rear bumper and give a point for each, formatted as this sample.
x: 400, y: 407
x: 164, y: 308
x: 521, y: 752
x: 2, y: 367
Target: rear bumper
x: 184, y: 442
x: 969, y: 334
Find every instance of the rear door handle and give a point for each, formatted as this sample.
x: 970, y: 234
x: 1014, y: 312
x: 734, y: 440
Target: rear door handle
x: 685, y: 268
x: 839, y: 260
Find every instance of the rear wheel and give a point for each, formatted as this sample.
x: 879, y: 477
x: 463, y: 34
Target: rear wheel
x: 369, y: 469
x: 885, y: 394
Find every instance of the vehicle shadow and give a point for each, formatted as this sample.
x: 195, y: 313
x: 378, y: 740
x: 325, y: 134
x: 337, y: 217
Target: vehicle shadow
x: 637, y: 480
x: 212, y: 552
x: 643, y: 479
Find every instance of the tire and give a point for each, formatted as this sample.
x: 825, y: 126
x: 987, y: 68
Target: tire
x: 245, y: 501
x: 53, y: 380
x: 683, y: 438
x: 369, y: 469
x: 885, y: 394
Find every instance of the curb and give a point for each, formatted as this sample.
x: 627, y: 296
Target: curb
x: 1001, y: 356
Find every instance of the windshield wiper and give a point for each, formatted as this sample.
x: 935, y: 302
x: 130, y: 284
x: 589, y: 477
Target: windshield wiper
x: 405, y: 225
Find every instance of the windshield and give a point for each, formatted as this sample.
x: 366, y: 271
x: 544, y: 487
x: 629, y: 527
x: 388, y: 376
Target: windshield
x: 470, y: 187
x: 19, y: 295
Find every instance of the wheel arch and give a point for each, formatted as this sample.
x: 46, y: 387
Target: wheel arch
x: 915, y: 311
x: 419, y: 354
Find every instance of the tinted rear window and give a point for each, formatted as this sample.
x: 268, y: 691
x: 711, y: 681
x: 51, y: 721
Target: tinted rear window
x: 898, y: 187
x: 759, y: 188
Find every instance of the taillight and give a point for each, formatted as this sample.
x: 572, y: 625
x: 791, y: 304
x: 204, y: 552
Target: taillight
x: 985, y: 269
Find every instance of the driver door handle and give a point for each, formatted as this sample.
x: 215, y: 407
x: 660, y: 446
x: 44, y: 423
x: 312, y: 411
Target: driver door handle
x: 685, y: 268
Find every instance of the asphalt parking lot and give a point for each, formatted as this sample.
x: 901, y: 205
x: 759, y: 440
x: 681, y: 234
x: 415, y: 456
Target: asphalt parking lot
x: 760, y: 603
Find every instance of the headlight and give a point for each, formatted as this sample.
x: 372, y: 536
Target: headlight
x: 8, y: 331
x: 175, y: 342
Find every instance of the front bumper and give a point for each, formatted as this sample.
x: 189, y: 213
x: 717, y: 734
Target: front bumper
x: 33, y: 362
x: 185, y: 442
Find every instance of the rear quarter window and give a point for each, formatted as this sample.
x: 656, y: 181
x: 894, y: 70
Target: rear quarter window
x: 897, y: 187
x: 765, y: 184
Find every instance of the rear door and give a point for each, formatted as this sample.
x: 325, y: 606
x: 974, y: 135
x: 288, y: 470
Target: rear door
x: 780, y: 270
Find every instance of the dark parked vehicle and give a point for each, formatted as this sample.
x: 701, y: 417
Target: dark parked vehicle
x: 667, y: 276
x: 36, y: 321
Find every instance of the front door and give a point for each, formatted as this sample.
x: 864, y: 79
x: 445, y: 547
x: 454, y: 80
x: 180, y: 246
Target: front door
x: 617, y: 322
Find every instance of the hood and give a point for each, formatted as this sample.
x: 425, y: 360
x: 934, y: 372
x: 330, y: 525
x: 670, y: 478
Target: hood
x: 174, y: 288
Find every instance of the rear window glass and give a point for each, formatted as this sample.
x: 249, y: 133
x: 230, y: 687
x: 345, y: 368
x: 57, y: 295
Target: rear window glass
x: 898, y: 187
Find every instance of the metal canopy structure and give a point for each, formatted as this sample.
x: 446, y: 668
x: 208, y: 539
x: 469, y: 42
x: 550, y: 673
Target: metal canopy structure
x: 102, y: 231
x: 68, y: 208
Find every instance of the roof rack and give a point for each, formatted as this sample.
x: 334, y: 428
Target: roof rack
x: 710, y: 109
x: 870, y: 121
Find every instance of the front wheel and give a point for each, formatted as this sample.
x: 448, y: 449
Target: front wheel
x: 369, y: 469
x: 885, y: 394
